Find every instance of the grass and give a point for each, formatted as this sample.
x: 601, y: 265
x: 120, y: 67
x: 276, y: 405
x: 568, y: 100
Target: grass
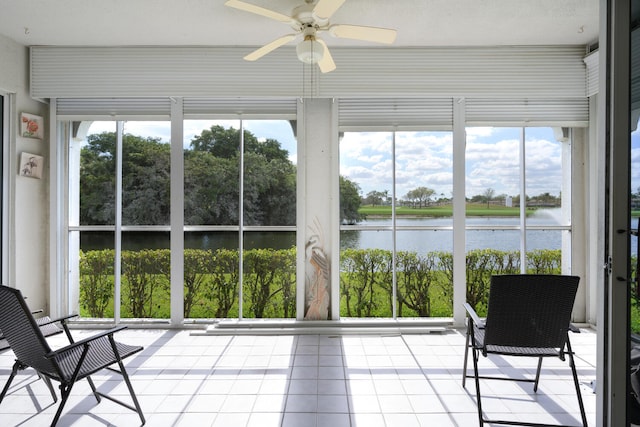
x: 473, y: 209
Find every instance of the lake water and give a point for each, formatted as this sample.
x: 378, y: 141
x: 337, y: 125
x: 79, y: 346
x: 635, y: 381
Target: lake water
x: 492, y: 235
x: 420, y: 239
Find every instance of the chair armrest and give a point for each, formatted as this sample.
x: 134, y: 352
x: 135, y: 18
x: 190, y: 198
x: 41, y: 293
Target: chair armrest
x: 474, y: 316
x: 59, y: 319
x: 85, y: 341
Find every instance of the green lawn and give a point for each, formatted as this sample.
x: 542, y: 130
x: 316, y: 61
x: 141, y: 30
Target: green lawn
x: 473, y: 209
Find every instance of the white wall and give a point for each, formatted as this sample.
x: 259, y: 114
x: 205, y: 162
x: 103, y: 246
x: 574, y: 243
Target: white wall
x: 27, y: 198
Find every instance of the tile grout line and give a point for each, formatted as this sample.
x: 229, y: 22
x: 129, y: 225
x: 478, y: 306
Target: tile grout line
x: 442, y: 402
x: 195, y: 392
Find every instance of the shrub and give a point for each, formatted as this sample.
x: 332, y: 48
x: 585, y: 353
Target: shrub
x: 146, y: 273
x: 211, y: 280
x: 415, y: 276
x: 96, y: 281
x: 222, y: 288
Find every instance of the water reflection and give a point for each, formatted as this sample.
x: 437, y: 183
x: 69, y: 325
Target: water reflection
x: 138, y: 240
x: 418, y: 240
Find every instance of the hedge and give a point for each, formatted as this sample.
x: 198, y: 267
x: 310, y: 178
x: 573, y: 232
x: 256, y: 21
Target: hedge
x: 211, y: 278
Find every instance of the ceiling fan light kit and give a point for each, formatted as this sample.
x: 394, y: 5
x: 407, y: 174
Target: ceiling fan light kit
x: 308, y: 20
x: 310, y: 51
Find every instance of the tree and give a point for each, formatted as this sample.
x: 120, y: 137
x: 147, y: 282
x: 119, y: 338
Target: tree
x: 211, y: 187
x: 545, y: 199
x: 212, y: 180
x: 488, y: 195
x: 269, y: 191
x: 97, y: 176
x: 375, y: 198
x: 420, y: 195
x: 145, y: 180
x: 349, y: 201
x: 225, y: 143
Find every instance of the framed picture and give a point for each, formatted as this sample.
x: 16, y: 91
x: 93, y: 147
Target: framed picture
x: 31, y: 126
x: 31, y: 165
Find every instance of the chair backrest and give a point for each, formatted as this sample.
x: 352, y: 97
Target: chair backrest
x: 22, y: 332
x: 530, y: 310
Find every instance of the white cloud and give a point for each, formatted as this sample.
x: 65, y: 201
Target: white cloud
x: 425, y: 159
x: 374, y: 159
x: 478, y: 132
x: 422, y: 158
x: 354, y: 144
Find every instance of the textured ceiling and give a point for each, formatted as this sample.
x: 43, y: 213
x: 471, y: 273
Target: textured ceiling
x: 211, y: 23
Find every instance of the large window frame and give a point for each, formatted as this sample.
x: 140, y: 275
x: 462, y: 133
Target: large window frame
x: 563, y: 136
x: 394, y: 228
x: 177, y: 227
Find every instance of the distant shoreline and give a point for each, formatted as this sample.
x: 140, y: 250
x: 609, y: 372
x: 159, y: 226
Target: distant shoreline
x: 383, y: 216
x: 475, y: 210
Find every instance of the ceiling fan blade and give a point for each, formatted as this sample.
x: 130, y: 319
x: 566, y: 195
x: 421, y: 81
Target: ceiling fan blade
x: 259, y: 53
x: 324, y: 9
x: 252, y: 8
x: 358, y: 32
x: 327, y: 64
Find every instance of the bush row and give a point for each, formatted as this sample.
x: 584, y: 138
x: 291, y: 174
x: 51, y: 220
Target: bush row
x: 211, y: 278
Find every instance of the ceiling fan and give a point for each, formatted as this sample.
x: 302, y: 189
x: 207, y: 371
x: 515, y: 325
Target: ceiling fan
x: 308, y: 20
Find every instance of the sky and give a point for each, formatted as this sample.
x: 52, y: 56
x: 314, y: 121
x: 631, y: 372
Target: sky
x: 423, y: 159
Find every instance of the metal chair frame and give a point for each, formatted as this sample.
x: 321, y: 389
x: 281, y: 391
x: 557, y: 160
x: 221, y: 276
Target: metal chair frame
x: 67, y: 365
x: 527, y: 316
x: 47, y: 325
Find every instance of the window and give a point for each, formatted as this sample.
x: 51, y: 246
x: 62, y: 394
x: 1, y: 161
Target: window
x: 406, y: 183
x: 119, y: 220
x: 218, y: 175
x: 239, y: 219
x: 239, y: 208
x: 505, y: 166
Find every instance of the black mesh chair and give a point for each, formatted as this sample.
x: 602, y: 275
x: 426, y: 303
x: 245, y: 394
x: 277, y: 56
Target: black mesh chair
x: 47, y: 325
x: 66, y: 365
x: 528, y: 315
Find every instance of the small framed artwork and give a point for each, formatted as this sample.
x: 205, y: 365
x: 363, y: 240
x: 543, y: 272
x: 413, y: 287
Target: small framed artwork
x: 31, y: 165
x: 31, y: 126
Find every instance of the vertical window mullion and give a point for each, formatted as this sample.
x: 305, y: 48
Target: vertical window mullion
x: 459, y: 211
x: 523, y: 205
x: 241, y: 222
x: 117, y: 268
x: 394, y: 282
x: 177, y: 213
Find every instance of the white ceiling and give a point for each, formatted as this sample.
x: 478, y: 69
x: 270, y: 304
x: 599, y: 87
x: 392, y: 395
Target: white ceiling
x: 211, y: 23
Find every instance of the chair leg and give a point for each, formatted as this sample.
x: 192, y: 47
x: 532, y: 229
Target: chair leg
x: 94, y: 389
x: 18, y: 366
x: 14, y: 371
x: 65, y: 391
x: 125, y: 377
x: 576, y: 383
x: 466, y: 354
x: 535, y: 383
x: 474, y: 355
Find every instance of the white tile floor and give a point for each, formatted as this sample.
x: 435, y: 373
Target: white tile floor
x: 305, y: 381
